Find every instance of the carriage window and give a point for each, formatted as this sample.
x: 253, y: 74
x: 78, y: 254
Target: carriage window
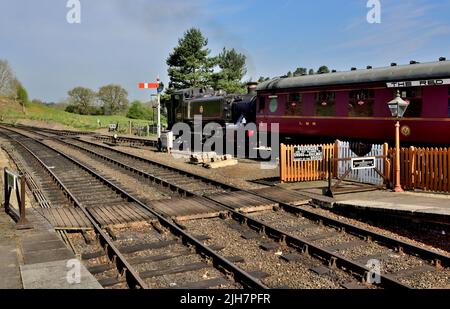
x: 262, y: 104
x: 413, y: 95
x: 361, y: 103
x: 273, y: 103
x: 294, y: 104
x: 325, y: 103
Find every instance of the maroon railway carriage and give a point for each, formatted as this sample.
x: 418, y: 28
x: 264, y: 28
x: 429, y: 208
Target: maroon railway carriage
x: 353, y: 105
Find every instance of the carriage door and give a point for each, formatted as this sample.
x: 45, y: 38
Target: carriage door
x: 261, y: 111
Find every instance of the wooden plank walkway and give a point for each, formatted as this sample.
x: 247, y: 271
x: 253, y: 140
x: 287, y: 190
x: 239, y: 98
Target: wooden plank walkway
x: 111, y: 214
x: 65, y: 218
x: 283, y: 195
x: 189, y: 208
x: 243, y: 201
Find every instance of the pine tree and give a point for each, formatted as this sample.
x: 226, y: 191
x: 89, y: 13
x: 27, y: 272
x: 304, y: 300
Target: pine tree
x: 233, y: 69
x: 189, y: 65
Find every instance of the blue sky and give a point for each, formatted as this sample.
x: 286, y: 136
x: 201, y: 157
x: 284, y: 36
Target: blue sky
x: 128, y: 41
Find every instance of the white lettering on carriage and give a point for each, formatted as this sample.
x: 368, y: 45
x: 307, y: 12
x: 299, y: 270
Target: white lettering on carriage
x: 419, y: 83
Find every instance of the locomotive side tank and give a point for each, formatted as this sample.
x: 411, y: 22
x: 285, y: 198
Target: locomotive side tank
x: 212, y: 106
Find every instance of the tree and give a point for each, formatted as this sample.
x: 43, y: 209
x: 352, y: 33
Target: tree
x: 81, y: 99
x: 114, y: 98
x: 189, y: 65
x: 323, y: 69
x: 138, y: 111
x: 311, y: 72
x: 233, y: 69
x: 6, y: 78
x: 289, y: 74
x: 300, y: 71
x: 22, y: 96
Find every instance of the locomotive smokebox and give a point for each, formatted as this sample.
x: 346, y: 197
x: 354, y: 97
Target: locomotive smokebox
x: 251, y: 87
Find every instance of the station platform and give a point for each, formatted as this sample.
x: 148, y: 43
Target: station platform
x: 427, y: 206
x: 36, y: 258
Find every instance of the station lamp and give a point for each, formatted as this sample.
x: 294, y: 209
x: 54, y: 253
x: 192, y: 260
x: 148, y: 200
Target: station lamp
x: 398, y: 108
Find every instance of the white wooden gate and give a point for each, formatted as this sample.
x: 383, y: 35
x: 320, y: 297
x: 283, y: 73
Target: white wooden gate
x: 362, y: 176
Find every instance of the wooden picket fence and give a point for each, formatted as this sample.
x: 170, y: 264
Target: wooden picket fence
x: 425, y: 169
x: 295, y: 171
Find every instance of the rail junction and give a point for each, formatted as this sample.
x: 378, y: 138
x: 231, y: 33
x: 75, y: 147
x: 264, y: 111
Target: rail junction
x: 138, y: 223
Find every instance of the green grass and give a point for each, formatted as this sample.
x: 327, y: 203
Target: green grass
x: 40, y: 112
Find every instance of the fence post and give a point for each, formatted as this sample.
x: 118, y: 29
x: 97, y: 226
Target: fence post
x: 129, y: 127
x: 282, y: 163
x: 329, y: 192
x: 5, y: 191
x: 447, y: 170
x: 386, y: 164
x: 23, y: 223
x: 413, y: 167
x: 335, y: 156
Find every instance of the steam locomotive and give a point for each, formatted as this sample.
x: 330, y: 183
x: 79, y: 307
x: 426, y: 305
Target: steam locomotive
x: 212, y: 106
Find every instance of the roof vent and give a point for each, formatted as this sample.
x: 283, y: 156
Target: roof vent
x: 442, y: 59
x: 413, y: 62
x: 393, y: 64
x: 369, y: 67
x: 353, y: 69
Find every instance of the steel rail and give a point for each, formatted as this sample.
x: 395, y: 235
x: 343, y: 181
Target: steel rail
x: 240, y: 275
x: 437, y: 258
x: 132, y: 277
x: 130, y: 140
x: 333, y: 259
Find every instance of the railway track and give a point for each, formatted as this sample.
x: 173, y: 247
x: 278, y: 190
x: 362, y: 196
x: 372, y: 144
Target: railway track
x: 148, y: 255
x: 128, y: 141
x: 328, y: 240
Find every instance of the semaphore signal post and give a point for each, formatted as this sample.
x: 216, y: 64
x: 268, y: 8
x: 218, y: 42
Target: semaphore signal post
x: 159, y: 86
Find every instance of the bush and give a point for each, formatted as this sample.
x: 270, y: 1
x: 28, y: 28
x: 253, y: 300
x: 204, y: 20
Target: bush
x: 22, y: 95
x: 138, y: 111
x: 93, y: 110
x: 71, y: 109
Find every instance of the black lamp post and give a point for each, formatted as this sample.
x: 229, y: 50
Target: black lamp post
x: 398, y: 108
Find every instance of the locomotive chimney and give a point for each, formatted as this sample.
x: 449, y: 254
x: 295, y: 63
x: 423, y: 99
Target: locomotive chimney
x: 251, y: 87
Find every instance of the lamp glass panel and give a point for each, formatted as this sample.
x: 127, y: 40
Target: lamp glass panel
x: 394, y: 109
